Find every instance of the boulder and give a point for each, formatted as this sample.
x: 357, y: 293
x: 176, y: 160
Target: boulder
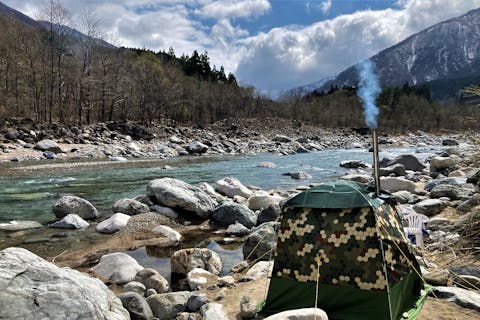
x: 197, y: 147
x: 70, y: 221
x: 410, y: 162
x: 281, y: 138
x: 74, y: 205
x: 394, y: 184
x: 403, y: 196
x: 32, y: 288
x: 248, y: 307
x: 213, y: 311
x: 208, y: 189
x: 130, y: 207
x: 19, y: 225
x: 195, y: 302
x: 117, y: 267
x: 49, y: 155
x: 396, y: 169
x: 48, y: 145
x: 438, y: 164
x: 353, y: 164
x: 199, y: 277
x: 185, y: 260
x: 165, y: 211
x: 450, y: 181
x: 232, y: 187
x: 462, y: 297
x: 237, y: 229
x: 166, y: 306
x: 135, y: 286
x: 450, y: 191
x: 449, y: 142
x: 151, y: 279
x: 113, y: 224
x: 168, y: 232
x: 266, y: 164
x: 270, y: 213
x: 259, y: 270
x: 230, y: 212
x: 136, y: 305
x: 262, y: 199
x: 436, y: 277
x: 430, y: 207
x: 362, y: 178
x: 300, y: 314
x: 469, y: 204
x: 178, y: 194
x: 261, y: 242
x: 300, y: 175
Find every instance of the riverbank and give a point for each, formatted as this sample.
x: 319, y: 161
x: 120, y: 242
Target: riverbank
x: 21, y: 141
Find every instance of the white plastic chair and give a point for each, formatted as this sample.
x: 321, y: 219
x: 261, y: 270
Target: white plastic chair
x: 416, y: 224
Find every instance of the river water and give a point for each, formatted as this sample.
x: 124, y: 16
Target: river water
x: 30, y: 194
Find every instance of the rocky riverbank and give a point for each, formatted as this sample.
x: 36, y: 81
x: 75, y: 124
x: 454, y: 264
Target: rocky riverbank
x: 23, y: 140
x: 446, y: 189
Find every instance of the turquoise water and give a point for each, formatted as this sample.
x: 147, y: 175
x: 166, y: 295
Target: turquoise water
x: 29, y: 195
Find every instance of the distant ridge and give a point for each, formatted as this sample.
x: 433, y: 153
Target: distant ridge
x: 26, y: 20
x: 444, y: 52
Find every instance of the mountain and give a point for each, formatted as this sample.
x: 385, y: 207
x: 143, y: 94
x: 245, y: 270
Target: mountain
x: 29, y: 22
x: 79, y: 36
x: 306, y: 89
x: 17, y: 15
x: 443, y: 53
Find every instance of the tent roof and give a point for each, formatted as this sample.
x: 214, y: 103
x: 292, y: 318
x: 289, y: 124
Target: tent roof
x: 338, y: 194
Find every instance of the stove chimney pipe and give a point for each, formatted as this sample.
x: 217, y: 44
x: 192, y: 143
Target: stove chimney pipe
x: 376, y: 163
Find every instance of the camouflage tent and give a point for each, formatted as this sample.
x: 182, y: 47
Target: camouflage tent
x: 345, y: 242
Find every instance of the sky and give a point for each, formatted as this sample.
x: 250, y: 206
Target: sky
x: 274, y: 45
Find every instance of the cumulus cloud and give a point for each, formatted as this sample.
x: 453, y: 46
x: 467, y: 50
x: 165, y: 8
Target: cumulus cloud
x: 325, y: 6
x: 234, y: 9
x: 291, y: 56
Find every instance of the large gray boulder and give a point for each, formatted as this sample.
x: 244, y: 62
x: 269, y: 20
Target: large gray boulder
x: 70, y: 221
x: 410, y: 162
x: 166, y: 306
x: 396, y: 169
x: 262, y: 199
x: 19, y: 225
x: 469, y: 204
x: 259, y: 270
x: 130, y: 207
x: 261, y: 242
x: 394, y: 184
x: 230, y: 212
x: 197, y: 147
x: 270, y: 213
x: 48, y: 145
x: 231, y: 187
x: 117, y: 267
x: 462, y: 297
x: 185, y: 260
x: 32, y: 288
x: 74, y: 205
x: 300, y: 314
x: 178, y: 194
x: 456, y: 181
x: 430, y: 207
x: 438, y: 164
x: 450, y: 191
x: 113, y: 224
x: 136, y: 305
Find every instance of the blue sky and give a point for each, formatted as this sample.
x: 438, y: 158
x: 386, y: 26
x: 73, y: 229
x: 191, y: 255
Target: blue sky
x: 273, y: 45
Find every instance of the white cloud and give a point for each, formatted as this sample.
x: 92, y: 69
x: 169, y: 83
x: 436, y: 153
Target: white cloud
x: 325, y: 6
x: 234, y: 9
x: 287, y: 57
